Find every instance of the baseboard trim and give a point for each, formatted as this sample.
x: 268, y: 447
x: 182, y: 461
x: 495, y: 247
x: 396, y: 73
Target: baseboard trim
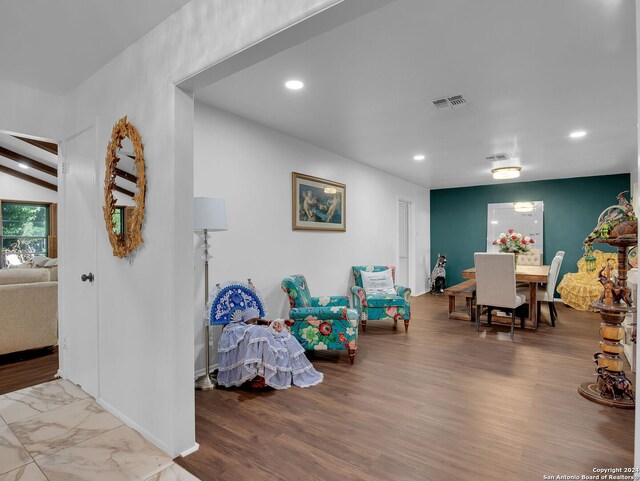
x: 200, y: 372
x: 421, y: 293
x: 189, y: 451
x: 132, y: 424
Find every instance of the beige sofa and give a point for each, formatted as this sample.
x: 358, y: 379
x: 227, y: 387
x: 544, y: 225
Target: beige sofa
x: 28, y: 309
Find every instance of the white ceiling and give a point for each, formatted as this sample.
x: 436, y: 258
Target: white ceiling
x: 532, y: 71
x: 54, y: 45
x: 37, y: 154
x: 32, y: 152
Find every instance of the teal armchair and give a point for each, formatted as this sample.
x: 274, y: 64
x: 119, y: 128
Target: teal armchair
x: 380, y: 306
x: 321, y: 323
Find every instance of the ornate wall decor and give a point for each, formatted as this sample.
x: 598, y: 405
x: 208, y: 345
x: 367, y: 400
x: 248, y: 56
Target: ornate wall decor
x: 126, y: 236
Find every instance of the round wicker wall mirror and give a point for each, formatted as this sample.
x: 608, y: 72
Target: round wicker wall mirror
x: 124, y: 189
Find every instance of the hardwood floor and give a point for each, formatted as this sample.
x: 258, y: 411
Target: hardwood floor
x: 28, y: 368
x: 441, y: 403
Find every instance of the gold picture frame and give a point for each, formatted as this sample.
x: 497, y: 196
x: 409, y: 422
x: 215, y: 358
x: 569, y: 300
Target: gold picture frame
x: 318, y: 204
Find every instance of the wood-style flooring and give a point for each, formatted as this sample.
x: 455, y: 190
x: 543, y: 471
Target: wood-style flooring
x: 27, y: 368
x: 440, y: 403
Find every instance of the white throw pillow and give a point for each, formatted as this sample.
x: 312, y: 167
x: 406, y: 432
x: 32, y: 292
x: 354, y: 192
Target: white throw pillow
x: 378, y: 282
x: 39, y: 261
x: 51, y: 263
x: 382, y: 291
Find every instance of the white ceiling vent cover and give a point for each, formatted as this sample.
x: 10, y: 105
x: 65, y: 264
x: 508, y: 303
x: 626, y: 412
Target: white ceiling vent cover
x: 498, y: 157
x: 450, y: 103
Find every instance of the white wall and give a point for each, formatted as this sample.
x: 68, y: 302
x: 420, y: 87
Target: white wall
x: 12, y: 188
x: 249, y: 165
x: 145, y: 308
x: 28, y: 111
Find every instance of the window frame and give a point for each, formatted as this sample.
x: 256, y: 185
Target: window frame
x: 47, y: 205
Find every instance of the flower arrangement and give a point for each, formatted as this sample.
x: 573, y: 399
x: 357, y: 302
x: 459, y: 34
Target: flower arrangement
x: 513, y: 242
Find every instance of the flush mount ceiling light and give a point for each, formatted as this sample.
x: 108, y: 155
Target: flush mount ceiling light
x: 523, y: 206
x: 419, y: 157
x: 23, y: 166
x: 294, y: 84
x: 502, y: 173
x: 577, y: 134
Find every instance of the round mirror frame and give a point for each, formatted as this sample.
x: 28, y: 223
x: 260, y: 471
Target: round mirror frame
x: 132, y: 238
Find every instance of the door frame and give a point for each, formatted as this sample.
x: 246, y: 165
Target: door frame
x: 411, y: 248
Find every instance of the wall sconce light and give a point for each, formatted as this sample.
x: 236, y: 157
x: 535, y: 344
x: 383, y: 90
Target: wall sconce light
x: 523, y: 206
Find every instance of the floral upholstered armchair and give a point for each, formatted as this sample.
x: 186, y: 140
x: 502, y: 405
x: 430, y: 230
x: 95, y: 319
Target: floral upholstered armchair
x: 321, y: 323
x: 374, y: 306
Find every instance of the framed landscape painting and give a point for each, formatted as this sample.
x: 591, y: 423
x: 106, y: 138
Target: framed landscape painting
x: 318, y: 204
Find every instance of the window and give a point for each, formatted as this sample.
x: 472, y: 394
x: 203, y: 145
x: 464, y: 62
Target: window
x: 24, y: 232
x: 118, y: 221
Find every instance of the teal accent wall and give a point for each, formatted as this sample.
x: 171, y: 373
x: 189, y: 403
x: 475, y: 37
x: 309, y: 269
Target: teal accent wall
x: 571, y: 210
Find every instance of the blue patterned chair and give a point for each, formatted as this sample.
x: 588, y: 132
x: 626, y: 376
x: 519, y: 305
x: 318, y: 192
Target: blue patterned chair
x: 381, y: 306
x: 321, y: 323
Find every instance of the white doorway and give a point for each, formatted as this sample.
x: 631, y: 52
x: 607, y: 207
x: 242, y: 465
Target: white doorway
x: 79, y: 314
x: 404, y: 244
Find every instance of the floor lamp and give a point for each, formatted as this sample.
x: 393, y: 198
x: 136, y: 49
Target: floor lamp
x: 210, y: 215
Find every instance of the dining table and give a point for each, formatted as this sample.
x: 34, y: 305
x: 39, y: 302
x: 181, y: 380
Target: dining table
x: 534, y: 275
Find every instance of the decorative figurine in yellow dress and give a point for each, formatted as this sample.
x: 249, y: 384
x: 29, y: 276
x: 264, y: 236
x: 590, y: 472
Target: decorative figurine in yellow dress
x: 580, y: 289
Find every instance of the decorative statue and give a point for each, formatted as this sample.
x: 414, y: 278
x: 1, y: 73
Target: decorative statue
x: 439, y: 275
x: 624, y: 203
x: 267, y: 356
x: 614, y: 385
x: 610, y: 218
x: 618, y: 227
x: 612, y: 294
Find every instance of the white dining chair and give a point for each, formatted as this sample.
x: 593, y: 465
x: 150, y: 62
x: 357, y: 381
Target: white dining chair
x: 547, y: 293
x: 496, y: 286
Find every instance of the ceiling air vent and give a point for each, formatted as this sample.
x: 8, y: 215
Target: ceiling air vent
x: 449, y: 103
x: 498, y: 157
x: 457, y: 101
x: 441, y: 104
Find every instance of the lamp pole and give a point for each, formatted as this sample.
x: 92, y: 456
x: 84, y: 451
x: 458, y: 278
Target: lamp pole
x: 204, y: 383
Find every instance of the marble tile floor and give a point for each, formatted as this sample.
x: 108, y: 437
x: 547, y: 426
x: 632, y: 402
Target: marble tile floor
x: 56, y: 432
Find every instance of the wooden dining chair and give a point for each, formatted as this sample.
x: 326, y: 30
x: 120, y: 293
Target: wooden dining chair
x: 496, y: 286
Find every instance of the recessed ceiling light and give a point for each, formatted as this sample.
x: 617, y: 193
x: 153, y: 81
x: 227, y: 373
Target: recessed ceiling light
x: 294, y: 84
x: 502, y: 173
x: 419, y: 157
x: 23, y: 166
x: 577, y: 134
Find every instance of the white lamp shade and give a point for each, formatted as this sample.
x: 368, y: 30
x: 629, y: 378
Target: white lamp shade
x: 209, y: 213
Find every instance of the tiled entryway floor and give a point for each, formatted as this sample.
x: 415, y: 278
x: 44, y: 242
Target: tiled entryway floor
x: 56, y: 432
